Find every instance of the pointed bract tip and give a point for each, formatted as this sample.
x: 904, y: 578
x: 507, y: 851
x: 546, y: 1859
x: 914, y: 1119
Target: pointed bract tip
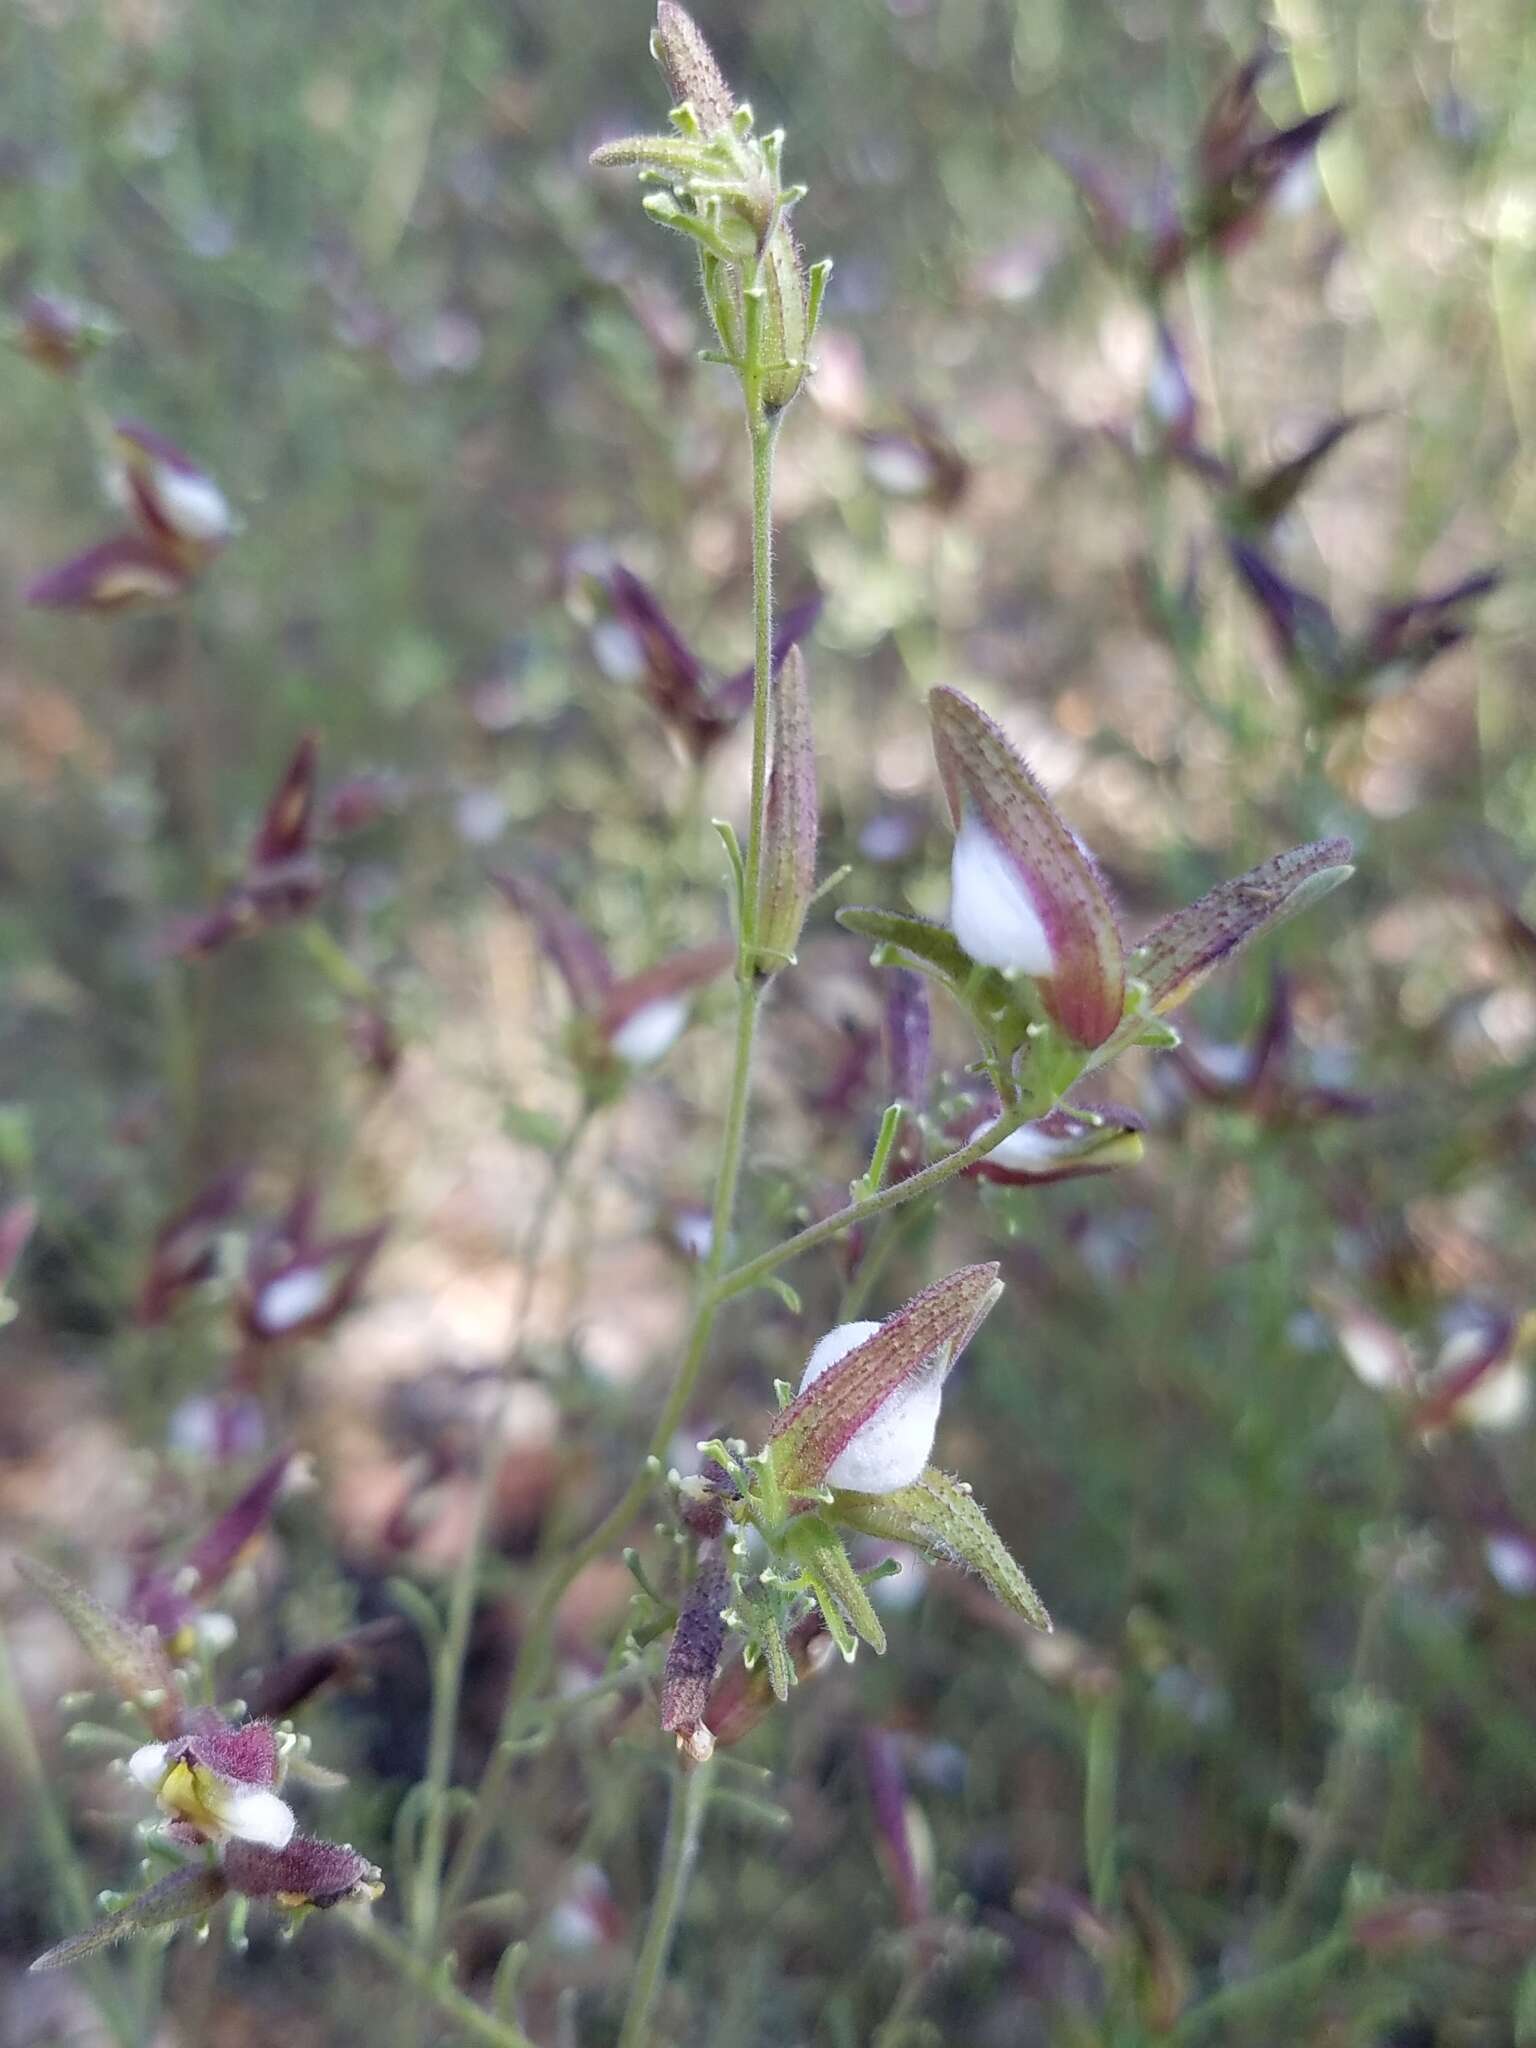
x: 693, y: 77
x: 1178, y: 954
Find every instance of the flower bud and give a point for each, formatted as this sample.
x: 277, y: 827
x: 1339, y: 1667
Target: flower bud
x: 790, y: 819
x: 58, y: 333
x: 1025, y: 896
x: 743, y: 1697
x: 1178, y: 954
x: 693, y: 77
x: 693, y: 1655
x: 170, y: 497
x: 868, y: 1404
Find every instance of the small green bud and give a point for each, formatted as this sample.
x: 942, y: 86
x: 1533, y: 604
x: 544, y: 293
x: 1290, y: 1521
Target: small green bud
x: 790, y: 819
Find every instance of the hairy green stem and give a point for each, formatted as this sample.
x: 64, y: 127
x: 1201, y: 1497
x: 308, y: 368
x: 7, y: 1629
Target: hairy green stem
x: 764, y: 434
x: 534, y: 1651
x: 473, y: 2021
x: 756, y: 1270
x: 685, y: 1822
x: 448, y: 1664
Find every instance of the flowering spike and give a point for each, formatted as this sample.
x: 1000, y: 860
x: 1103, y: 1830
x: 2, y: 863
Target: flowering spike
x: 940, y: 1517
x: 790, y: 820
x: 868, y: 1404
x: 1026, y: 897
x: 1178, y: 954
x: 187, y: 1894
x: 131, y: 1654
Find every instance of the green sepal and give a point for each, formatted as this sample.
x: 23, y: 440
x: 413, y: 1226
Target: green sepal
x: 941, y: 1518
x: 816, y: 1546
x: 927, y: 944
x: 768, y: 1634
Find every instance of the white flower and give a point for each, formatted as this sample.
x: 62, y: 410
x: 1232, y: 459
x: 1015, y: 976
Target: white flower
x: 991, y: 912
x: 293, y: 1297
x: 1029, y: 1149
x: 892, y: 1449
x: 193, y: 1793
x: 651, y: 1031
x: 193, y: 506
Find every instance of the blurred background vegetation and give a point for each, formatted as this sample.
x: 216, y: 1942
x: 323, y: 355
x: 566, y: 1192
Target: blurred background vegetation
x: 359, y: 269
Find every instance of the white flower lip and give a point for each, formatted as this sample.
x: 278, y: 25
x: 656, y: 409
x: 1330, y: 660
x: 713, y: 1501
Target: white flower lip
x: 251, y: 1815
x: 652, y: 1030
x: 147, y: 1766
x: 292, y: 1297
x: 193, y: 506
x: 991, y: 912
x: 891, y: 1449
x: 1029, y: 1148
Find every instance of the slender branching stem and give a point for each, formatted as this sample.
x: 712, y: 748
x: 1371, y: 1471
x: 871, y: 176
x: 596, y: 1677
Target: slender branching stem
x: 755, y: 1270
x: 448, y: 1662
x: 685, y: 1822
x: 473, y: 2021
x: 534, y: 1651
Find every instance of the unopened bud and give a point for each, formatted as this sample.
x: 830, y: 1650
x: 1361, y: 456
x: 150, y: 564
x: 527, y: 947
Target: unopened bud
x: 790, y: 819
x: 1025, y: 896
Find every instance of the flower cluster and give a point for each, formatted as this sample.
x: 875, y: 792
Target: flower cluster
x: 617, y: 1023
x: 849, y: 1454
x: 720, y: 184
x: 181, y: 520
x: 217, y: 1784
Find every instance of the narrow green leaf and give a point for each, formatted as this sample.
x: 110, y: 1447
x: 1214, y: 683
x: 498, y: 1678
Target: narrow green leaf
x: 186, y: 1894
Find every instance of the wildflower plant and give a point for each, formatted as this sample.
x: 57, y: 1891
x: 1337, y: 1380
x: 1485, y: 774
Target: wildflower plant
x: 772, y: 1546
